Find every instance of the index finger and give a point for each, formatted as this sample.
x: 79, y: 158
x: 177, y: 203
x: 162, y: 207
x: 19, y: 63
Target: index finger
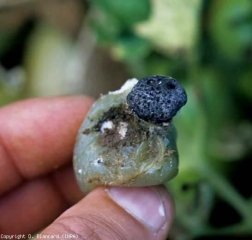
x: 37, y: 136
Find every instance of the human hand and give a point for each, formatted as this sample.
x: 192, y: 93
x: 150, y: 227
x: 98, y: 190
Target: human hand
x: 37, y: 182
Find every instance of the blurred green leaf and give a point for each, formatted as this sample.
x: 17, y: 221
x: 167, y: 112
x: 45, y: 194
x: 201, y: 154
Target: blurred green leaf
x: 173, y: 26
x: 244, y: 84
x: 129, y: 12
x: 131, y: 48
x: 230, y: 26
x: 107, y: 28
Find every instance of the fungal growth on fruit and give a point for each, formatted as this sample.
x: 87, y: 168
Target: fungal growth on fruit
x: 157, y: 99
x: 128, y: 138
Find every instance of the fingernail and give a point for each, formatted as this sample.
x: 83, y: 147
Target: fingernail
x: 143, y: 203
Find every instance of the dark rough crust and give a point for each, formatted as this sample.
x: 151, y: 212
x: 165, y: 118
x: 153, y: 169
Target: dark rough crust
x: 157, y: 98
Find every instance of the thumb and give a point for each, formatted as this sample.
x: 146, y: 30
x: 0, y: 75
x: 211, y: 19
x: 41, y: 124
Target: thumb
x: 117, y: 213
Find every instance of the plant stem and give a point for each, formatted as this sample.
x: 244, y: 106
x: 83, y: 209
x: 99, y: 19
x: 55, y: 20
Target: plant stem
x: 226, y: 191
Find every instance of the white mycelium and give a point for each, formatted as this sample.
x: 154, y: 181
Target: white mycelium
x: 126, y: 86
x: 122, y: 130
x: 106, y: 125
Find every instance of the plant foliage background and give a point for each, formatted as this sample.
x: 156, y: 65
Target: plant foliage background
x: 56, y: 47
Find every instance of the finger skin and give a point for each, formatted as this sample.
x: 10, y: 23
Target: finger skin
x: 98, y: 216
x: 66, y: 184
x: 35, y: 204
x: 33, y: 150
x: 37, y: 136
x: 32, y: 206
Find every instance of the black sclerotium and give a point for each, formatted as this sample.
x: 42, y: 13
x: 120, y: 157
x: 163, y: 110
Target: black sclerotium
x: 157, y: 98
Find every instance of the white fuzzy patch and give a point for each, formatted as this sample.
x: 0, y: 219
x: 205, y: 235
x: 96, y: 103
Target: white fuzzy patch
x: 80, y: 171
x: 161, y: 210
x: 129, y: 84
x: 106, y: 125
x: 123, y: 127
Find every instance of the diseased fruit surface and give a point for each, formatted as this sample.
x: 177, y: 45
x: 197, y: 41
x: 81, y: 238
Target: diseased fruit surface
x: 115, y: 147
x: 157, y: 98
